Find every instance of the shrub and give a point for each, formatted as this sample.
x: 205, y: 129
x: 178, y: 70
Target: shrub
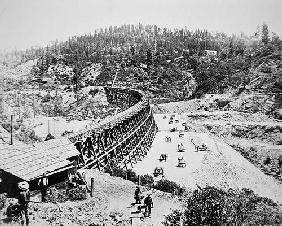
x: 54, y: 195
x: 169, y: 186
x: 162, y: 185
x: 146, y: 180
x: 118, y: 172
x: 173, y: 219
x: 267, y: 160
x: 78, y: 193
x: 131, y: 175
x: 213, y: 206
x: 204, y: 207
x: 108, y: 169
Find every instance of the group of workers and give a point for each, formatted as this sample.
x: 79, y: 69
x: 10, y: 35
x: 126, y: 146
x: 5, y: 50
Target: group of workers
x: 74, y: 180
x: 181, y: 148
x: 148, y: 201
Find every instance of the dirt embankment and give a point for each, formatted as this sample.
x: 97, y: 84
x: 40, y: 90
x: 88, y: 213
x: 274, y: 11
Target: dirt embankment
x: 260, y: 143
x: 267, y: 133
x: 246, y: 102
x: 110, y: 205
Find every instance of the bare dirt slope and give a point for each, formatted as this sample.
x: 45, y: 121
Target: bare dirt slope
x: 249, y: 122
x: 111, y: 205
x: 220, y: 166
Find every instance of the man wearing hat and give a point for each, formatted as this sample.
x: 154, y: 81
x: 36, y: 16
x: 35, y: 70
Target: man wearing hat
x: 24, y: 199
x: 43, y: 184
x: 148, y: 205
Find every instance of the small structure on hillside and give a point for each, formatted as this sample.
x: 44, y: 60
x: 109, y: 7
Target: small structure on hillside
x: 199, y: 144
x: 53, y: 157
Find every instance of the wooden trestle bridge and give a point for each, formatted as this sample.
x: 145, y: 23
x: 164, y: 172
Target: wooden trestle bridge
x: 122, y: 139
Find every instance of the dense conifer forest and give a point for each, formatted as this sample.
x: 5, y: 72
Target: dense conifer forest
x: 172, y: 64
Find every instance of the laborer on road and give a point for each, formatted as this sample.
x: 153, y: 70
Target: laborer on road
x: 43, y: 185
x: 180, y: 147
x: 148, y: 205
x: 163, y: 157
x: 168, y: 139
x: 24, y: 199
x: 137, y: 195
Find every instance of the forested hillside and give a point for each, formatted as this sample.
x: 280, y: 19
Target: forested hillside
x: 217, y: 96
x: 168, y: 64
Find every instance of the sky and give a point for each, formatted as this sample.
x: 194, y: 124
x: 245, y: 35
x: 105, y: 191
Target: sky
x: 26, y: 23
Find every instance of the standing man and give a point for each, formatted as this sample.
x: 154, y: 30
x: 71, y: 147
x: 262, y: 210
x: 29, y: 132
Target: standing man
x: 148, y: 205
x: 24, y: 199
x: 137, y: 195
x: 43, y: 185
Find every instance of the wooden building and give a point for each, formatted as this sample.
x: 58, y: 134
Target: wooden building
x: 29, y: 162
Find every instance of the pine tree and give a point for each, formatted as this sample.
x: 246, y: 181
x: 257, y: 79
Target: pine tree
x: 265, y: 34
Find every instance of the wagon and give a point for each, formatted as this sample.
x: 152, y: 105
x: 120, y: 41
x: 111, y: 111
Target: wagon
x: 181, y: 162
x: 199, y: 144
x: 158, y: 171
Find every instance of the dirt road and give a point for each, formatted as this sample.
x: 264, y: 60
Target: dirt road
x: 220, y: 166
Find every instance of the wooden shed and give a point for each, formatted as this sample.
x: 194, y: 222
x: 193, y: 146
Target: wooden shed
x: 18, y: 163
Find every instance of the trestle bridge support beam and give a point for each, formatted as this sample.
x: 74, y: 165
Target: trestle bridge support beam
x: 122, y: 139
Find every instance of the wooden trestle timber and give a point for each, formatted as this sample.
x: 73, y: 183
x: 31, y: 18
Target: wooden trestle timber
x: 123, y: 138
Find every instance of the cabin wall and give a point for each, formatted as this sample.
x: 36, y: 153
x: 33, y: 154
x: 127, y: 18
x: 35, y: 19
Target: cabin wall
x: 9, y: 183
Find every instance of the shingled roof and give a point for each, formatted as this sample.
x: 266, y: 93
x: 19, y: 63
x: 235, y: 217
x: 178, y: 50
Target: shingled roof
x: 30, y: 162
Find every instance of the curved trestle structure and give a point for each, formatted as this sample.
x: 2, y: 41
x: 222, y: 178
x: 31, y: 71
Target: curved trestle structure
x: 123, y: 138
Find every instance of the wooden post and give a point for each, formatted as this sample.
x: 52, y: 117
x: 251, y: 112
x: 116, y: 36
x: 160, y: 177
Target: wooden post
x: 139, y: 180
x: 92, y: 187
x: 11, y: 129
